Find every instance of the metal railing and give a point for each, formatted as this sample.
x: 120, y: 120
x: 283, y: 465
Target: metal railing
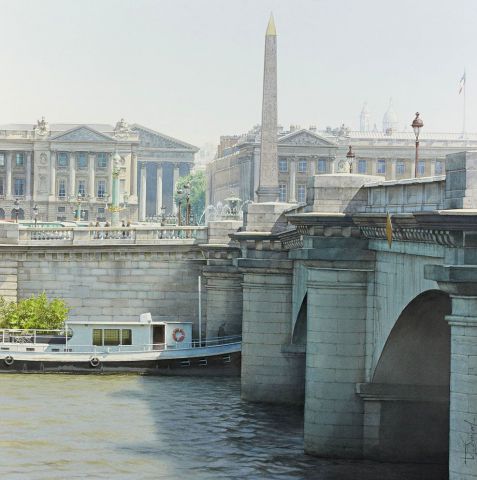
x: 16, y: 338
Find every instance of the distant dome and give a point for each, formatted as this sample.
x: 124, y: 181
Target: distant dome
x: 390, y: 119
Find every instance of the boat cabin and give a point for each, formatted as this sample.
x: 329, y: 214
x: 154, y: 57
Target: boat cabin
x: 139, y: 335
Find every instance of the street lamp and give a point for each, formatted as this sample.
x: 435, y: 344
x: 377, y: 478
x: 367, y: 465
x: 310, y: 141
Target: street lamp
x: 416, y: 125
x: 16, y: 209
x: 187, y: 194
x: 350, y: 159
x: 35, y: 213
x: 180, y: 193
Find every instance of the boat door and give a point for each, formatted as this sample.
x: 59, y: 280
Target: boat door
x: 158, y: 337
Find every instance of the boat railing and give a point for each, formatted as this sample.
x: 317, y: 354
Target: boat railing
x: 58, y: 339
x: 14, y: 335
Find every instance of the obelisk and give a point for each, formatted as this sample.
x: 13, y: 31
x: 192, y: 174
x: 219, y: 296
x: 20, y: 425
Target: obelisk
x: 268, y: 178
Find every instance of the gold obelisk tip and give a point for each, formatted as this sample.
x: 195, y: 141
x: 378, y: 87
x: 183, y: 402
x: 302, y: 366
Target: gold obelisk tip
x: 271, y: 30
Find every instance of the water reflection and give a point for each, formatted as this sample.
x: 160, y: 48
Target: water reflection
x: 129, y: 427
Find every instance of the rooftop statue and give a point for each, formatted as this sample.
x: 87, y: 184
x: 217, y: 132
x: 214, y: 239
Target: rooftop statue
x: 42, y: 127
x: 122, y: 130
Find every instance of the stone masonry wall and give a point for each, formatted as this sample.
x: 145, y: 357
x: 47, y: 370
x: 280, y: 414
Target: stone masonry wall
x: 110, y: 283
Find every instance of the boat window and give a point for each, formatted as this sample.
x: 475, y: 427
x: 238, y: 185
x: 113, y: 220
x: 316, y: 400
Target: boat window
x: 126, y: 336
x: 97, y: 337
x: 111, y: 336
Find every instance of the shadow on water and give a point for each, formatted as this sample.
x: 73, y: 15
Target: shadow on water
x: 206, y: 431
x: 144, y: 428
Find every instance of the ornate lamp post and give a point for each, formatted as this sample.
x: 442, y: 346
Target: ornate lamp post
x: 35, y: 214
x: 76, y: 205
x: 16, y: 209
x: 188, y: 206
x: 416, y: 125
x: 180, y: 193
x: 350, y: 159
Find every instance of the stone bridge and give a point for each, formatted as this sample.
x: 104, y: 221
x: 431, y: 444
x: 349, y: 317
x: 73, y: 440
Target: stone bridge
x: 378, y: 340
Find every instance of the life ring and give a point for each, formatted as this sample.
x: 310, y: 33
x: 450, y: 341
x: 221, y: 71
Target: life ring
x: 94, y: 362
x: 178, y: 334
x: 8, y: 360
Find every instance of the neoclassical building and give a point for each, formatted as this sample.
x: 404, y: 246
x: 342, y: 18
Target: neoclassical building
x: 63, y: 168
x: 306, y: 152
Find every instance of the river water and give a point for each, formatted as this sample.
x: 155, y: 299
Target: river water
x: 133, y: 427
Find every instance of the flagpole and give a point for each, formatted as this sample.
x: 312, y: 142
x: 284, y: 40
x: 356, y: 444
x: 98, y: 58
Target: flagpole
x: 463, y: 122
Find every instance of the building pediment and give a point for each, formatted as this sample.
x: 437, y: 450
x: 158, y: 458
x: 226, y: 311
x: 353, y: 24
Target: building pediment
x: 305, y: 138
x: 82, y: 134
x: 151, y: 139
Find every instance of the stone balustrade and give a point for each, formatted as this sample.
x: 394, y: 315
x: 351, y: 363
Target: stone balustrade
x: 12, y: 233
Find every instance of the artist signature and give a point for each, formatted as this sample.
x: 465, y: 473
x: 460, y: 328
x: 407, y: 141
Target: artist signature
x: 470, y: 442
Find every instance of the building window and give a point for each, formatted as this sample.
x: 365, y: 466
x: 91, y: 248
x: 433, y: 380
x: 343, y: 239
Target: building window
x: 19, y: 159
x: 400, y: 167
x: 19, y: 187
x: 301, y: 193
x: 282, y: 192
x: 438, y: 168
x: 61, y: 218
x: 282, y: 165
x: 362, y: 166
x: 381, y: 166
x: 421, y: 167
x: 2, y: 159
x: 62, y: 159
x: 97, y: 337
x: 62, y: 188
x: 302, y: 164
x: 2, y: 191
x: 101, y: 188
x: 321, y: 165
x: 82, y: 188
x: 101, y: 160
x: 61, y: 209
x: 122, y: 187
x: 81, y: 161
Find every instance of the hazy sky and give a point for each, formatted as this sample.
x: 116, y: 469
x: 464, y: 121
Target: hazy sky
x: 193, y: 68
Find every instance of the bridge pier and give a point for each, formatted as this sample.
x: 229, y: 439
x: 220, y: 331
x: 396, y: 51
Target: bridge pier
x: 461, y: 284
x: 271, y: 370
x: 335, y: 361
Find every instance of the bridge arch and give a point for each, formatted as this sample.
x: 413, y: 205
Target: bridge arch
x: 300, y: 326
x: 407, y: 401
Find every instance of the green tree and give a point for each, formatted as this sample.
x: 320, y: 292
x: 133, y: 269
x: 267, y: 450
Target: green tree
x: 34, y: 313
x: 197, y: 182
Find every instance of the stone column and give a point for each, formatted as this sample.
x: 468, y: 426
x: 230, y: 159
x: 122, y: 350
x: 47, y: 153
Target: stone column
x: 9, y: 175
x: 133, y: 178
x: 72, y: 175
x: 159, y: 189
x: 91, y: 178
x: 53, y: 175
x: 460, y: 282
x: 175, y: 179
x: 142, y: 194
x: 292, y: 193
x: 313, y: 161
x: 393, y: 170
x: 335, y: 357
x: 28, y: 176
